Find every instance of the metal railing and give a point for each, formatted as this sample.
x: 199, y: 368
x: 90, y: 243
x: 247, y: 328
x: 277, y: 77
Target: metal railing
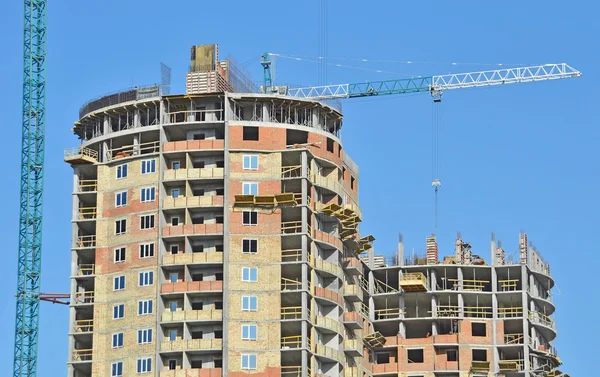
x: 86, y: 213
x: 195, y: 116
x: 82, y: 355
x: 292, y: 312
x: 541, y: 319
x: 447, y: 311
x: 86, y: 297
x: 516, y: 338
x: 87, y: 185
x: 292, y: 285
x: 291, y: 171
x: 85, y: 241
x: 292, y: 227
x: 478, y: 311
x: 388, y: 313
x: 84, y: 325
x: 294, y: 341
x: 508, y: 285
x: 510, y: 312
x: 81, y: 151
x: 86, y: 269
x: 134, y: 150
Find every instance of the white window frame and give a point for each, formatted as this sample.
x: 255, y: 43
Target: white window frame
x: 118, y: 339
x: 146, y: 192
x: 247, y: 332
x: 121, y: 196
x: 114, y: 372
x: 123, y: 229
x: 119, y: 171
x: 171, y: 249
x: 118, y: 286
x: 249, y: 158
x: 147, y: 249
x: 249, y: 245
x: 249, y: 269
x: 117, y: 251
x: 122, y: 314
x: 247, y: 360
x: 148, y: 166
x: 249, y: 187
x: 145, y: 307
x: 248, y: 300
x: 144, y: 365
x: 146, y: 278
x: 250, y: 223
x: 147, y: 217
x: 145, y: 336
x: 178, y: 220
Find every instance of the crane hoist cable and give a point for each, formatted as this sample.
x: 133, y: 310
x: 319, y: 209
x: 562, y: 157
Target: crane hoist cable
x: 436, y: 125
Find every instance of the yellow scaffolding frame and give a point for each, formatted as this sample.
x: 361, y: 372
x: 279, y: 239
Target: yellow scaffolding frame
x: 510, y: 312
x: 516, y: 338
x: 508, y: 285
x: 294, y: 171
x: 87, y: 185
x: 84, y: 325
x: 86, y: 269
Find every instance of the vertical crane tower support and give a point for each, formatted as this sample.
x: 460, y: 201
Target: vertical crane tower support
x: 31, y: 194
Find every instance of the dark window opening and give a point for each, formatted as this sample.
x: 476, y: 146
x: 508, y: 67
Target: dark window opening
x: 197, y: 305
x: 249, y: 246
x: 197, y: 334
x: 251, y: 133
x: 478, y: 329
x: 198, y: 248
x: 198, y: 192
x: 197, y: 220
x: 219, y: 247
x: 329, y: 145
x: 220, y: 164
x: 198, y: 164
x: 220, y: 191
x: 339, y: 151
x: 452, y: 355
x: 200, y: 113
x: 219, y: 276
x: 479, y: 355
x: 218, y: 334
x: 172, y: 364
x: 382, y: 358
x: 296, y: 137
x: 219, y: 219
x: 250, y: 218
x: 218, y: 305
x: 196, y: 364
x: 197, y: 277
x: 218, y: 363
x: 199, y: 136
x: 352, y: 183
x: 415, y: 356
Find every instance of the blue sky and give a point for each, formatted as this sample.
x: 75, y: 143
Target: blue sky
x: 516, y: 157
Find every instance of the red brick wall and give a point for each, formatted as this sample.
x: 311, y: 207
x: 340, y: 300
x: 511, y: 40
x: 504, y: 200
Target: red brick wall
x: 269, y: 138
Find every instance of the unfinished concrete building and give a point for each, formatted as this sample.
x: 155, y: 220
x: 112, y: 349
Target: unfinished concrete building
x: 215, y: 233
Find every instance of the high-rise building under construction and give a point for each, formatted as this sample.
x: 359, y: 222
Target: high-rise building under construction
x: 215, y: 233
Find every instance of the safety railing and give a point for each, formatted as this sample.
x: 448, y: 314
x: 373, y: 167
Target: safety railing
x: 292, y: 312
x: 294, y: 341
x: 511, y: 312
x: 210, y: 115
x: 291, y: 255
x: 291, y: 371
x: 86, y: 269
x: 381, y: 287
x: 84, y: 325
x: 292, y: 285
x: 508, y: 285
x: 364, y: 310
x: 291, y: 171
x: 86, y: 297
x: 293, y: 227
x: 82, y: 355
x: 87, y: 185
x: 328, y: 323
x: 478, y: 311
x: 516, y: 338
x: 134, y: 150
x: 86, y: 213
x: 364, y: 284
x: 388, y: 313
x: 78, y: 152
x: 85, y: 241
x: 542, y: 319
x: 447, y: 311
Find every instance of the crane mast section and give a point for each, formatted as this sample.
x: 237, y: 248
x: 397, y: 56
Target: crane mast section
x: 437, y: 84
x: 32, y: 177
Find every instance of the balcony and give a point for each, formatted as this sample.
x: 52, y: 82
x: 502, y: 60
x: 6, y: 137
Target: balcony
x: 353, y: 266
x: 389, y: 313
x: 328, y: 324
x: 85, y: 297
x: 86, y: 213
x: 511, y: 365
x: 81, y: 155
x: 87, y: 186
x: 192, y: 315
x: 191, y: 145
x: 352, y: 292
x: 353, y: 320
x: 194, y: 258
x: 193, y: 173
x: 353, y: 372
x: 293, y: 313
x: 84, y: 325
x: 192, y: 286
x: 85, y: 241
x: 331, y: 239
x: 192, y: 372
x: 328, y: 267
x: 82, y: 355
x: 385, y: 368
x: 191, y: 344
x: 329, y: 353
x: 192, y: 229
x: 133, y: 150
x: 413, y: 282
x: 86, y: 270
x: 353, y: 347
x: 328, y: 183
x: 293, y: 227
x: 328, y: 295
x: 184, y: 116
x: 193, y: 201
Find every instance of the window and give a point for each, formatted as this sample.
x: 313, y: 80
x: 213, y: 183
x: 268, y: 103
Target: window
x: 198, y: 220
x: 452, y: 355
x: 175, y: 193
x: 249, y: 246
x: 117, y: 340
x: 121, y: 199
x: 250, y: 133
x: 147, y: 222
x: 218, y: 334
x: 199, y: 136
x: 119, y: 283
x: 479, y: 355
x: 116, y: 369
x: 144, y: 307
x: 121, y: 171
x: 144, y: 336
x: 218, y: 306
x: 172, y: 364
x: 219, y: 219
x: 250, y: 188
x: 478, y: 329
x: 218, y: 276
x: 218, y: 363
x: 382, y: 357
x: 219, y: 247
x: 148, y: 166
x: 352, y: 182
x: 415, y: 355
x: 329, y: 145
x: 174, y: 220
x: 119, y: 254
x: 248, y: 361
x: 249, y: 274
x: 250, y: 218
x: 174, y: 249
x: 249, y: 332
x: 175, y: 165
x: 144, y: 365
x: 173, y: 306
x: 249, y: 303
x: 146, y: 278
x: 220, y: 163
x: 173, y: 277
x: 148, y: 194
x: 220, y: 191
x: 118, y: 311
x: 250, y: 162
x: 146, y: 250
x: 172, y: 335
x: 120, y: 226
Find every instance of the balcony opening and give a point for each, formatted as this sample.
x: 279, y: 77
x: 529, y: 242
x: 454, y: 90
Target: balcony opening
x: 296, y: 137
x: 197, y: 276
x: 219, y: 247
x: 478, y: 329
x: 172, y: 364
x: 219, y: 305
x: 220, y: 191
x: 218, y: 334
x: 198, y: 164
x: 382, y: 358
x: 198, y: 191
x: 415, y: 355
x: 479, y: 355
x: 218, y: 276
x: 329, y: 145
x: 198, y: 305
x: 199, y: 136
x: 219, y: 219
x: 197, y: 220
x: 197, y: 248
x: 174, y: 220
x: 352, y: 182
x: 196, y: 364
x: 220, y: 164
x: 250, y: 133
x: 218, y: 363
x: 197, y: 334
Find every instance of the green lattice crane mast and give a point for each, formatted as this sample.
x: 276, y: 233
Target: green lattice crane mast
x: 32, y: 179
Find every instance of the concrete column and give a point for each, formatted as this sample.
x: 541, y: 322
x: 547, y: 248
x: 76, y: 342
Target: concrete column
x: 315, y: 118
x: 432, y: 279
x: 305, y: 277
x: 434, y: 327
x: 461, y: 306
x: 136, y: 118
x: 104, y: 155
x: 266, y: 112
x: 400, y: 252
x: 526, y: 339
x: 105, y: 125
x: 459, y: 275
x: 163, y: 109
x: 136, y: 144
